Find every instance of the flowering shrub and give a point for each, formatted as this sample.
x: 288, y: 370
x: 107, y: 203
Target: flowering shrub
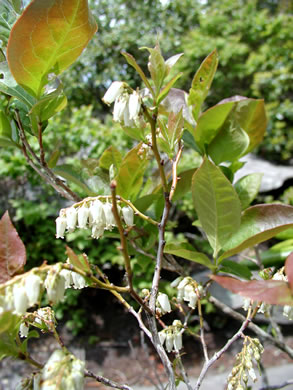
x: 135, y: 203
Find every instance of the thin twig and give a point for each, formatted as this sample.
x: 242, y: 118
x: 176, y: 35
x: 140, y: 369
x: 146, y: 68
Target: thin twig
x: 183, y: 371
x: 277, y: 387
x: 40, y: 139
x: 106, y: 381
x: 202, y: 337
x: 256, y: 329
x: 174, y: 172
x: 218, y: 354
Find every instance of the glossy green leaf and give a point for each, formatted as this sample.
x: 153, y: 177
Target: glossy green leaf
x: 111, y: 156
x: 9, y: 87
x: 273, y: 292
x: 216, y: 203
x: 143, y: 203
x: 230, y: 143
x: 157, y: 67
x: 72, y: 175
x: 246, y: 114
x: 201, y: 82
x: 47, y: 38
x: 277, y: 254
x: 231, y: 267
x: 131, y: 60
x: 7, y: 18
x: 184, y: 250
x: 49, y: 105
x: 5, y: 127
x: 130, y: 175
x: 247, y: 188
x: 285, y: 235
x: 259, y: 223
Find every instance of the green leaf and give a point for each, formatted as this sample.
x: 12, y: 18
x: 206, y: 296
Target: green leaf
x: 183, y: 250
x: 111, y: 156
x: 53, y: 159
x: 216, y: 203
x: 277, y: 254
x: 201, y: 82
x: 143, y: 203
x: 175, y: 128
x: 7, y: 18
x: 9, y: 87
x: 78, y: 261
x: 231, y: 267
x: 285, y: 235
x: 8, y: 321
x: 164, y: 92
x: 49, y: 105
x: 157, y: 67
x: 258, y: 223
x: 47, y: 38
x: 247, y: 188
x: 74, y: 176
x: 230, y: 143
x: 246, y: 114
x: 130, y: 175
x: 131, y: 60
x: 170, y: 62
x: 6, y: 132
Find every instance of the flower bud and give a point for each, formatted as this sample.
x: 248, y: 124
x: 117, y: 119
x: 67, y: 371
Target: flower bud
x: 20, y: 299
x: 163, y: 301
x: 113, y: 92
x: 128, y: 215
x: 82, y: 216
x: 71, y: 218
x: 32, y: 288
x: 252, y: 375
x: 61, y: 224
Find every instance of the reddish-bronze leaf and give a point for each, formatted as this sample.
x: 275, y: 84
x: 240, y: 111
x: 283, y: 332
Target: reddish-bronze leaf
x: 274, y: 292
x: 289, y: 270
x: 12, y: 250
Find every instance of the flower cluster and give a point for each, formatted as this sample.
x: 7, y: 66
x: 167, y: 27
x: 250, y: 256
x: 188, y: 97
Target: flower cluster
x: 92, y: 214
x: 21, y: 295
x: 62, y: 371
x: 172, y: 336
x: 127, y: 105
x: 265, y: 307
x: 243, y: 369
x: 43, y: 319
x: 188, y: 290
x: 25, y: 292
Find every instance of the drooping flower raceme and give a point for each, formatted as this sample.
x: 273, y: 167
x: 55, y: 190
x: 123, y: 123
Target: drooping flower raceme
x: 172, y: 336
x: 91, y: 213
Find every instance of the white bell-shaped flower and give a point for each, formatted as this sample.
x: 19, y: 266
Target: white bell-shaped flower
x: 55, y: 284
x: 23, y: 330
x: 71, y: 218
x: 192, y: 299
x: 61, y: 224
x: 163, y: 301
x: 113, y: 92
x: 67, y: 275
x: 20, y: 299
x: 288, y: 312
x: 128, y: 215
x: 169, y: 341
x: 97, y: 231
x: 110, y: 219
x: 134, y: 105
x: 162, y: 336
x: 32, y: 288
x: 77, y: 374
x: 78, y: 281
x: 178, y: 340
x: 97, y: 213
x: 119, y: 108
x: 188, y: 289
x: 82, y: 216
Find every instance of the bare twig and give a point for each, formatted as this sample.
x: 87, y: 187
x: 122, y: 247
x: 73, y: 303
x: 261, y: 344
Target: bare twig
x: 218, y: 354
x: 277, y: 387
x: 174, y: 172
x: 183, y: 371
x: 202, y: 337
x: 106, y: 381
x: 256, y: 329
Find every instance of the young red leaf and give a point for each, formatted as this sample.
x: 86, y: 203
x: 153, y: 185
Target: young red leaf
x: 289, y: 270
x: 274, y: 292
x: 47, y: 38
x: 12, y: 250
